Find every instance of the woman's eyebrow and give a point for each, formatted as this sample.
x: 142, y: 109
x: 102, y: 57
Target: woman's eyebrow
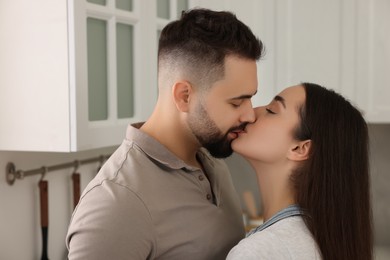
x: 281, y: 100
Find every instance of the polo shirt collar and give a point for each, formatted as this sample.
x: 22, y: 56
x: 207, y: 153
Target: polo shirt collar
x: 159, y: 152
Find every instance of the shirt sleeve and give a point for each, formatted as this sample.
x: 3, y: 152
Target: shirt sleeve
x: 110, y: 222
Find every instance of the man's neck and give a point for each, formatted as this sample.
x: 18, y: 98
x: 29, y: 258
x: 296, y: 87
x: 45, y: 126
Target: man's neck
x: 174, y: 138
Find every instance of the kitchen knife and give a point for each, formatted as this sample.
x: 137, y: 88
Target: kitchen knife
x: 76, y: 188
x: 43, y: 192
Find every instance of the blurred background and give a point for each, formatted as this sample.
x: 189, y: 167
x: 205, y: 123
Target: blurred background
x: 73, y: 74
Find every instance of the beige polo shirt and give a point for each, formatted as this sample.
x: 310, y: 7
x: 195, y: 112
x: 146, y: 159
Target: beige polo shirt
x: 145, y: 203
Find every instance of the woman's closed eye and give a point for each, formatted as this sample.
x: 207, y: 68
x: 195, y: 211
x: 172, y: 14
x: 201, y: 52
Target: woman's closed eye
x: 269, y: 111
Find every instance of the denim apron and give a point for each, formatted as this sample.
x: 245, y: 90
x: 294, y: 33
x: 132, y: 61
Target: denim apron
x: 290, y: 211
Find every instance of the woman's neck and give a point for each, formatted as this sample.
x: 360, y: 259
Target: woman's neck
x: 275, y: 189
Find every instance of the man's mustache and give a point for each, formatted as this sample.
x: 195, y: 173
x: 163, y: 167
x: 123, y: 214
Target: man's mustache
x: 237, y: 128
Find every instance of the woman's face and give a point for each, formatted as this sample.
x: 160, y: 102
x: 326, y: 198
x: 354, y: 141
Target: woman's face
x: 270, y: 137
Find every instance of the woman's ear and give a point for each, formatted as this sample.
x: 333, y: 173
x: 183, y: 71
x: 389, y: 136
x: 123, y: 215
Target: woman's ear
x: 300, y: 151
x: 181, y: 92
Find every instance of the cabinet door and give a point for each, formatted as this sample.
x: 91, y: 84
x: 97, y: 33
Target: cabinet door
x: 92, y: 59
x: 111, y: 72
x: 343, y: 45
x: 34, y: 83
x: 74, y: 73
x: 373, y: 59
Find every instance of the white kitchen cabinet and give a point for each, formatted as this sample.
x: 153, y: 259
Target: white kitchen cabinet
x: 343, y: 45
x: 62, y: 87
x: 74, y: 73
x: 373, y: 59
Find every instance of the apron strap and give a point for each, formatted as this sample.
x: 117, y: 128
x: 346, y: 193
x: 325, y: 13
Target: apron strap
x: 290, y: 211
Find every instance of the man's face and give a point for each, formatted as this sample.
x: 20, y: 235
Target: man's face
x: 223, y: 111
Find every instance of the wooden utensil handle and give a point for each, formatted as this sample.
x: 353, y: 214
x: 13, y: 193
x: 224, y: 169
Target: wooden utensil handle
x: 44, y: 202
x: 76, y: 188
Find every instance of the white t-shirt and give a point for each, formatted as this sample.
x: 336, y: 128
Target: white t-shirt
x: 288, y: 238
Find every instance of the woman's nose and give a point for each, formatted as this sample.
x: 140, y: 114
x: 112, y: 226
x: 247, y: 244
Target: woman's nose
x: 258, y: 111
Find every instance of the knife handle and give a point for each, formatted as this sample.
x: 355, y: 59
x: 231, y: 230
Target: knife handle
x: 43, y: 192
x: 76, y: 188
x: 44, y: 201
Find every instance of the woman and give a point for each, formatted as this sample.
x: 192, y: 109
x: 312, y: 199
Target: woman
x: 309, y: 148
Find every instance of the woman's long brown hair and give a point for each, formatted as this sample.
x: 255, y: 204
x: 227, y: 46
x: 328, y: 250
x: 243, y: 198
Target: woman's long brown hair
x: 333, y: 185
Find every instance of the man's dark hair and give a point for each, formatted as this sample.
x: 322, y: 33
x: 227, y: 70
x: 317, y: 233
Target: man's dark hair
x: 201, y: 39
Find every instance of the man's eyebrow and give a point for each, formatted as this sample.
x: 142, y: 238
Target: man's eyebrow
x: 281, y: 100
x: 244, y: 96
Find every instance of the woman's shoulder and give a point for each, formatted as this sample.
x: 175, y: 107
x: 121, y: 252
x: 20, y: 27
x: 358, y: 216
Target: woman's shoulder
x: 286, y: 239
x: 289, y: 228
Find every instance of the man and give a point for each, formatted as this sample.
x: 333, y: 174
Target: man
x: 161, y: 195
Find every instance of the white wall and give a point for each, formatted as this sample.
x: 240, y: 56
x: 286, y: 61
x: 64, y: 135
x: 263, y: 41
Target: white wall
x: 380, y: 182
x: 20, y: 233
x: 20, y: 236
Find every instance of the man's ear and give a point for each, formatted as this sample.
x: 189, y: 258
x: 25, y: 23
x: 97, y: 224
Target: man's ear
x: 300, y: 151
x: 181, y: 92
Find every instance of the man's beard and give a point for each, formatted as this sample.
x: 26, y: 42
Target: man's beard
x: 219, y: 147
x: 209, y: 135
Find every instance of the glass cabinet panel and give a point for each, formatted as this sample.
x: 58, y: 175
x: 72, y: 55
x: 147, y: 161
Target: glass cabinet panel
x: 158, y: 36
x: 163, y: 9
x: 126, y: 5
x: 99, y: 2
x: 125, y: 76
x: 182, y: 5
x: 97, y: 69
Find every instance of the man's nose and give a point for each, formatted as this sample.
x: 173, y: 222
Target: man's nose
x: 249, y: 114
